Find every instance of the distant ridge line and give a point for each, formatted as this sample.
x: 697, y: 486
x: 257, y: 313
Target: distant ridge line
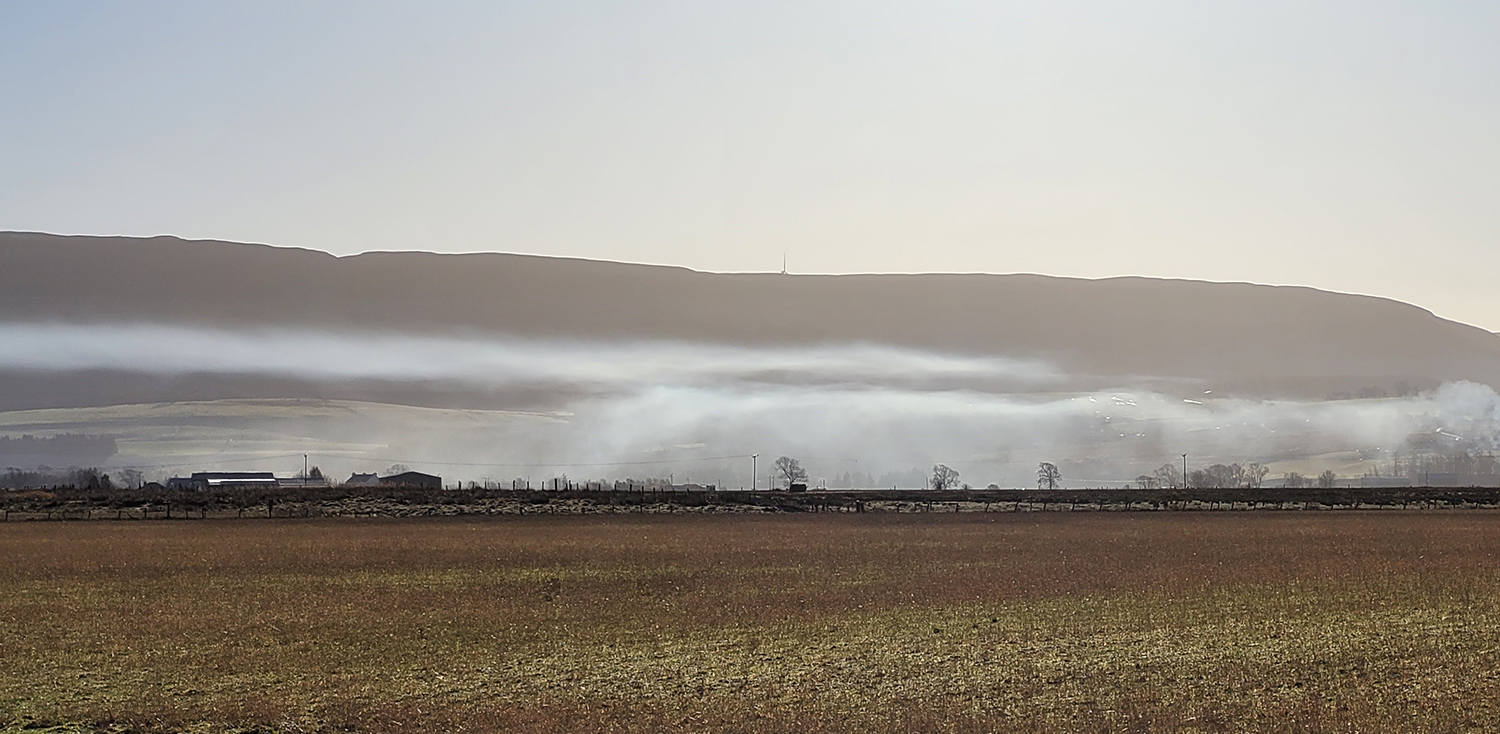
x: 1258, y: 339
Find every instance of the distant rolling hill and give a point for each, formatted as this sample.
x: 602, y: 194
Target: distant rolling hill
x: 1250, y: 339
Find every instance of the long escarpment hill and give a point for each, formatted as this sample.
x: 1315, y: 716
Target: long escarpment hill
x: 1251, y: 338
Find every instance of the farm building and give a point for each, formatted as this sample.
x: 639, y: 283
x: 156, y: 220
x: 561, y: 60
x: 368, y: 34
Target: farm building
x: 205, y: 480
x: 362, y: 480
x: 413, y: 479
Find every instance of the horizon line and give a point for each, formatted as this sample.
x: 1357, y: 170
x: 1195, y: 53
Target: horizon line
x: 783, y: 273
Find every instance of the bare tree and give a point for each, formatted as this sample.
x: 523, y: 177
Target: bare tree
x: 1047, y: 475
x: 1167, y: 476
x: 1145, y: 481
x: 1234, y: 476
x: 944, y: 477
x: 1327, y: 479
x: 1255, y: 475
x: 790, y: 470
x: 1219, y: 476
x: 1293, y: 480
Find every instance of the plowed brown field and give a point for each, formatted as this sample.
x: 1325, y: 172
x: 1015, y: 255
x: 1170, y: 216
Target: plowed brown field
x: 1380, y: 621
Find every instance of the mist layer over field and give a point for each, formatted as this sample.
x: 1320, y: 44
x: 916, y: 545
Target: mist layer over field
x: 697, y: 411
x: 609, y: 366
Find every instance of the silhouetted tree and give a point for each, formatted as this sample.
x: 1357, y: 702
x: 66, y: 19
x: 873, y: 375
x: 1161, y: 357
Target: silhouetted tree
x: 1219, y: 476
x: 1234, y: 475
x: 944, y: 477
x: 1255, y: 475
x: 87, y: 479
x: 1167, y: 476
x: 1293, y: 480
x: 1327, y: 479
x: 1047, y: 475
x: 790, y: 470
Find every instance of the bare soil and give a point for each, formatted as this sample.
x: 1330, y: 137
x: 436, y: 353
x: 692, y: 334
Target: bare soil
x: 1275, y: 622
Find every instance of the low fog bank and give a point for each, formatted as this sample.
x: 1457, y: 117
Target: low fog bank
x: 861, y: 414
x: 492, y: 362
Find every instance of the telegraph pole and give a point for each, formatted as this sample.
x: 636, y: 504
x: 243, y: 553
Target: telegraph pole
x: 754, y: 468
x: 1184, y: 472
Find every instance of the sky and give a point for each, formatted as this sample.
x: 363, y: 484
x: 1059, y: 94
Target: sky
x: 1344, y: 145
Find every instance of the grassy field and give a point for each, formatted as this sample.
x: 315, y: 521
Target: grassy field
x: 1356, y: 621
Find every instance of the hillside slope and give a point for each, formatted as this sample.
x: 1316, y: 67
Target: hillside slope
x: 1251, y: 338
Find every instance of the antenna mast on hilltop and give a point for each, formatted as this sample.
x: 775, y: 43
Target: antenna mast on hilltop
x: 783, y: 263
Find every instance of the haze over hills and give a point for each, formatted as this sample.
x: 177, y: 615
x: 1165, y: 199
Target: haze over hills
x: 201, y: 353
x: 1262, y: 340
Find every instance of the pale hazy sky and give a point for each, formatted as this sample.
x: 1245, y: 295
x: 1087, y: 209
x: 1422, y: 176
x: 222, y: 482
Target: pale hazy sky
x: 1353, y: 146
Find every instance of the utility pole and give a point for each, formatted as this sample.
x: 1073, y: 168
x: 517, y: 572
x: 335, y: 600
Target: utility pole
x: 304, y: 469
x: 754, y: 469
x: 1184, y: 472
